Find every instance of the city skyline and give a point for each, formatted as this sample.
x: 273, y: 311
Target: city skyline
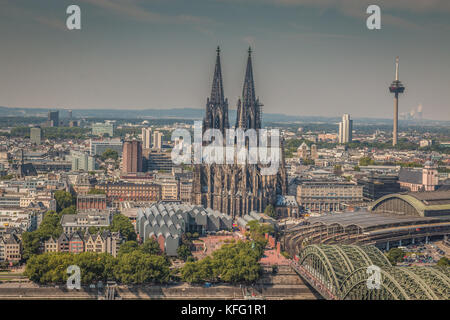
x: 159, y: 55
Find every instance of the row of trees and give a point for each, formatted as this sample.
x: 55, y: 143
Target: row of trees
x: 53, y: 132
x: 368, y: 161
x: 134, y: 265
x: 233, y: 263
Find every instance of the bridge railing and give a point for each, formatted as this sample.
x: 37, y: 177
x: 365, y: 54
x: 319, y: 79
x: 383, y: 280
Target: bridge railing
x: 313, y: 281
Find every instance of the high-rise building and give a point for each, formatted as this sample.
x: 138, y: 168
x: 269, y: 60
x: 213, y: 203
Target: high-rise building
x: 157, y: 140
x: 132, y: 156
x: 345, y: 129
x: 396, y: 88
x: 82, y: 161
x: 35, y: 135
x: 157, y: 160
x: 53, y: 118
x: 146, y: 138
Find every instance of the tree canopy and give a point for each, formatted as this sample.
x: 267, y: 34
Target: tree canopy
x: 63, y: 199
x: 270, y: 211
x: 395, y: 255
x: 96, y: 191
x: 109, y: 154
x: 124, y: 226
x: 233, y: 263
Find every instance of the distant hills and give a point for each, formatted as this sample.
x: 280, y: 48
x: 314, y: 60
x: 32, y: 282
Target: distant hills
x: 189, y: 114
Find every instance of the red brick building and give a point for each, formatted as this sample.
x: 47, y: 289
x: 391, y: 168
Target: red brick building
x: 132, y: 156
x: 91, y: 201
x: 127, y: 191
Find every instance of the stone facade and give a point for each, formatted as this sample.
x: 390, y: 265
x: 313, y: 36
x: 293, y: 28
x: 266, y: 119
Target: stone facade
x: 236, y: 189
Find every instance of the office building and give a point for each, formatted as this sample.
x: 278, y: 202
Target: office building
x: 158, y: 161
x: 132, y: 156
x: 327, y: 196
x: 345, y: 129
x: 157, y: 140
x: 146, y: 138
x: 376, y: 186
x: 81, y: 161
x: 53, y: 119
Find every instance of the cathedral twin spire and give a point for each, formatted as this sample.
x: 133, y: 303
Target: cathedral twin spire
x: 217, y: 95
x: 248, y: 112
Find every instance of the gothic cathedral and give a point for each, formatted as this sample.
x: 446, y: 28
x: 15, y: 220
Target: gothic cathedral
x: 236, y: 189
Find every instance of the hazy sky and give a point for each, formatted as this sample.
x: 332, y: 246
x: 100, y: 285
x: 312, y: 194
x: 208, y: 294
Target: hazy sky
x: 311, y: 57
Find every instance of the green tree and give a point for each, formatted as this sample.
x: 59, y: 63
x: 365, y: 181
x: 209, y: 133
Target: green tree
x: 69, y: 210
x: 184, y: 252
x: 258, y: 230
x: 30, y: 244
x: 270, y: 211
x: 63, y: 199
x: 233, y: 263
x: 128, y: 246
x: 444, y: 262
x: 96, y: 191
x: 109, y: 154
x: 395, y: 255
x: 366, y: 161
x: 308, y: 162
x: 94, y: 230
x: 50, y: 226
x: 124, y: 226
x: 137, y: 267
x: 198, y: 272
x: 150, y: 246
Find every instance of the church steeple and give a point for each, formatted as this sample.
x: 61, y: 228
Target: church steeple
x: 248, y: 92
x: 248, y: 113
x: 216, y: 105
x: 217, y: 85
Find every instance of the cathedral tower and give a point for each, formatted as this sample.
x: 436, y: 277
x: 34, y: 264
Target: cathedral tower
x: 216, y: 116
x: 249, y: 109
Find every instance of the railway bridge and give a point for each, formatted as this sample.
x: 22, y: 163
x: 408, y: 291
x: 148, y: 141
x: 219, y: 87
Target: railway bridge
x: 340, y: 272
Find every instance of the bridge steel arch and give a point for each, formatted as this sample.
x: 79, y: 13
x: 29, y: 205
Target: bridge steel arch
x: 332, y: 264
x: 342, y: 269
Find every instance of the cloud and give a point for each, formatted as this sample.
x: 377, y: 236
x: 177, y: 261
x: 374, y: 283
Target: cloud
x: 416, y: 6
x: 133, y: 10
x: 51, y: 22
x: 390, y: 9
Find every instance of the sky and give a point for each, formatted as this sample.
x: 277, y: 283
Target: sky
x: 310, y: 57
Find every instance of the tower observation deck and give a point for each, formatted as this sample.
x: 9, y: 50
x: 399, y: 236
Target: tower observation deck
x: 396, y: 87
